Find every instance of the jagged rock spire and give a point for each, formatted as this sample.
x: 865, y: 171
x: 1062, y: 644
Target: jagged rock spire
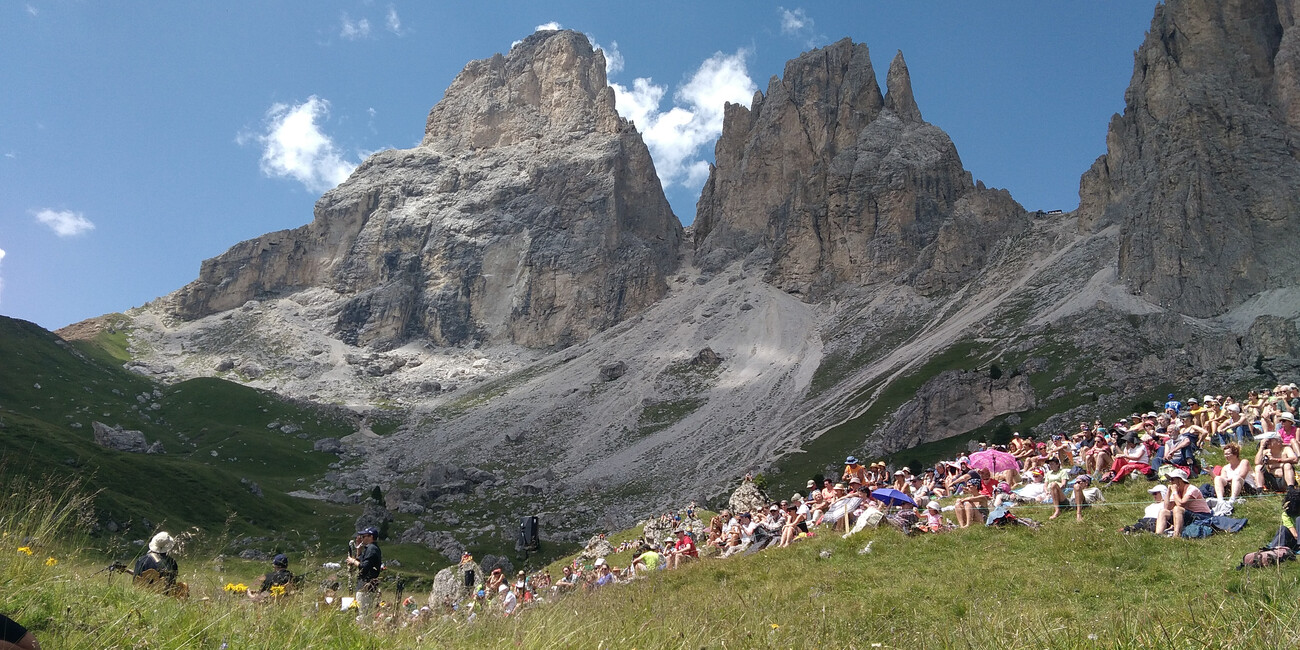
x: 898, y: 91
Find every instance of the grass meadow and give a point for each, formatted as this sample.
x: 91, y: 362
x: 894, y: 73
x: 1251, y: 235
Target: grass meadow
x: 1066, y: 585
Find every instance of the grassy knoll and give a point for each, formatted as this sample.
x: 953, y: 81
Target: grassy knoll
x: 1068, y: 584
x: 215, y: 434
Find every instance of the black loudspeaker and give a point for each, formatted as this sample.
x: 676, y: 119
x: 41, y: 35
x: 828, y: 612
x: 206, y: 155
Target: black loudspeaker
x: 469, y: 577
x: 528, y: 534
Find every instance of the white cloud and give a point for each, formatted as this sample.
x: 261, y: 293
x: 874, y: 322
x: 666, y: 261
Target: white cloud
x: 32, y: 10
x: 393, y: 22
x: 65, y: 223
x: 797, y: 24
x: 675, y: 137
x: 548, y: 26
x: 353, y: 30
x: 794, y: 23
x: 294, y: 146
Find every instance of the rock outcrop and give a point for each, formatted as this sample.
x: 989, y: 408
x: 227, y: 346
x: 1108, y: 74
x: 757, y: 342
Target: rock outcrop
x: 1202, y: 170
x: 835, y: 183
x: 530, y: 213
x: 952, y: 403
x: 127, y: 440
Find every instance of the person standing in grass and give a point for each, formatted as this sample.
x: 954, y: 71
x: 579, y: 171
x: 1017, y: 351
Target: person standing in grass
x: 13, y: 635
x: 369, y: 561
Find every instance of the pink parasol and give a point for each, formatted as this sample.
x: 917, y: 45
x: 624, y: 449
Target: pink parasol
x: 994, y: 461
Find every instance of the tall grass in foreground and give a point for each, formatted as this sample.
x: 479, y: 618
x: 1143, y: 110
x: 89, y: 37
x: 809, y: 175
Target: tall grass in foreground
x: 1069, y: 585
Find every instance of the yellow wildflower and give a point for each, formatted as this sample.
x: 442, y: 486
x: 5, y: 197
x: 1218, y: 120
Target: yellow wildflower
x: 25, y: 549
x: 775, y: 626
x: 277, y: 590
x: 50, y: 561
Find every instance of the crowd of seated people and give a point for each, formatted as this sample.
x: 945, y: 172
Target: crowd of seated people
x: 1061, y: 472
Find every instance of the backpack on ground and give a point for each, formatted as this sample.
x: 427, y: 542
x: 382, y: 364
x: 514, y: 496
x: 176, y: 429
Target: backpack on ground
x: 1267, y: 557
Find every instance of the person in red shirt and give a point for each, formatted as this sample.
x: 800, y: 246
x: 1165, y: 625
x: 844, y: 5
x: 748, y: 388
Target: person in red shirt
x: 683, y: 549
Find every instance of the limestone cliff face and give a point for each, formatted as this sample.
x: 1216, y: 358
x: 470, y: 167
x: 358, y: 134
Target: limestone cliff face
x: 530, y: 213
x: 1202, y: 171
x: 837, y: 183
x: 951, y: 403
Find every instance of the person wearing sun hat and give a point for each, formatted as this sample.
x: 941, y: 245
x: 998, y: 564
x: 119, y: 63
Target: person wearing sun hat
x: 852, y: 468
x: 160, y: 562
x: 1274, y: 463
x: 1184, y: 504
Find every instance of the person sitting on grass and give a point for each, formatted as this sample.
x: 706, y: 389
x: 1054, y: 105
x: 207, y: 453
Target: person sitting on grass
x: 647, y: 561
x: 280, y: 576
x: 157, y: 569
x: 718, y: 528
x: 1183, y: 504
x: 1054, y: 480
x: 905, y: 518
x: 1274, y: 464
x: 683, y: 550
x: 566, y: 582
x: 1133, y: 456
x: 1291, y: 512
x: 796, y: 523
x: 1233, y: 474
x: 968, y: 508
x: 853, y: 469
x: 1097, y: 457
x: 933, y: 521
x: 741, y: 535
x: 1084, y: 494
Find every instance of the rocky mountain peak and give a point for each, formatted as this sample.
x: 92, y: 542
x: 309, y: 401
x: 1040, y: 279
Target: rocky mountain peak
x: 832, y: 183
x: 530, y: 213
x: 549, y: 85
x: 1202, y: 170
x: 898, y: 95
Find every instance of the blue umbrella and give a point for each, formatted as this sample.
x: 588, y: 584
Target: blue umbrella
x: 891, y: 497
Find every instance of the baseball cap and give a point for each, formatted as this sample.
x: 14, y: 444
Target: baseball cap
x: 1159, y: 489
x: 369, y: 530
x: 280, y: 560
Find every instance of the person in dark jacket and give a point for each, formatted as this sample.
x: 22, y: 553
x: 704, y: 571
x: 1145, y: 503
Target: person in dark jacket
x: 369, y: 561
x: 280, y: 576
x: 157, y: 569
x: 13, y: 635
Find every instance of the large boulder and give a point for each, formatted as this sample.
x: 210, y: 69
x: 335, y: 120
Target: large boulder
x: 449, y: 584
x: 127, y: 440
x: 748, y: 498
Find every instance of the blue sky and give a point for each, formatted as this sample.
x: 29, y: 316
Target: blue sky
x: 139, y: 138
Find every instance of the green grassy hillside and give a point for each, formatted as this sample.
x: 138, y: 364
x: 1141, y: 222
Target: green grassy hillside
x: 1067, y: 584
x: 215, y: 434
